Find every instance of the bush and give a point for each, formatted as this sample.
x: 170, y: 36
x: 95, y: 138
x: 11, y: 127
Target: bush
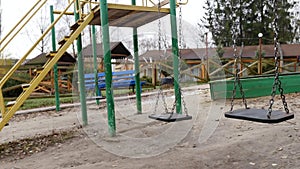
x: 12, y: 82
x: 146, y: 79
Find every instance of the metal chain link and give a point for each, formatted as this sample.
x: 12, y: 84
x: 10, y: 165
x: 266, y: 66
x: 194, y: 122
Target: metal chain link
x: 277, y: 82
x: 160, y: 91
x: 237, y: 59
x: 180, y: 28
x: 180, y: 31
x: 183, y: 103
x: 159, y: 29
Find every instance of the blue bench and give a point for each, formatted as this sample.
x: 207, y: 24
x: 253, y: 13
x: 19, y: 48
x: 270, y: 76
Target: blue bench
x: 122, y: 79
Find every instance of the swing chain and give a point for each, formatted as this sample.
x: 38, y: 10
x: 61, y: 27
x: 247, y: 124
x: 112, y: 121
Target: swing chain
x: 237, y: 59
x: 180, y: 35
x: 180, y: 27
x: 160, y: 47
x: 183, y: 103
x: 277, y: 81
x: 181, y: 46
x: 159, y: 29
x: 160, y: 91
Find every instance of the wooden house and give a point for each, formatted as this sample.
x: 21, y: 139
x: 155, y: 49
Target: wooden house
x: 65, y: 72
x: 120, y: 56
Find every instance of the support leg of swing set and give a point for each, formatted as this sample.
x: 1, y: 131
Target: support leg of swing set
x: 137, y: 68
x: 108, y: 68
x: 175, y: 52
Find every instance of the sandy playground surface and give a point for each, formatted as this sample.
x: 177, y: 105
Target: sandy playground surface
x: 52, y: 139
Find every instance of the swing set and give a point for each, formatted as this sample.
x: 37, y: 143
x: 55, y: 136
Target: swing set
x: 170, y: 115
x: 260, y: 115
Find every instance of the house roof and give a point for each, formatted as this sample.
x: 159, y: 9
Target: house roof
x: 288, y: 50
x: 153, y: 55
x: 42, y: 59
x: 187, y: 54
x: 118, y: 50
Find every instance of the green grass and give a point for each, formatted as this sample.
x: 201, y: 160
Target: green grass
x: 50, y: 101
x: 44, y: 102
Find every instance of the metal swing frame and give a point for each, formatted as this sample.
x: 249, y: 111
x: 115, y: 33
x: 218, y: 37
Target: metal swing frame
x: 260, y: 115
x: 168, y: 116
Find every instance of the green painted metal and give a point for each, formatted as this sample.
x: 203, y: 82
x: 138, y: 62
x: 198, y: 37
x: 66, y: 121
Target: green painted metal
x: 175, y: 52
x: 108, y: 69
x: 81, y: 73
x: 94, y: 43
x: 137, y: 69
x: 254, y: 86
x: 55, y: 69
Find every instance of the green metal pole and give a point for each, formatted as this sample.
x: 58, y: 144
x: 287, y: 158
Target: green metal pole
x: 94, y: 42
x: 175, y: 52
x: 81, y: 74
x: 137, y: 68
x: 108, y: 69
x: 56, y: 88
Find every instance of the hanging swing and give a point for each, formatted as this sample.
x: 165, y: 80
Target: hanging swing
x: 260, y: 115
x: 168, y: 115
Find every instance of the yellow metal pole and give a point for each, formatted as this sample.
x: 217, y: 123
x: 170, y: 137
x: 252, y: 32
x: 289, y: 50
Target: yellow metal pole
x: 183, y: 3
x: 20, y: 61
x: 137, y: 8
x: 2, y: 106
x: 17, y: 65
x: 47, y: 68
x: 20, y: 21
x: 22, y: 26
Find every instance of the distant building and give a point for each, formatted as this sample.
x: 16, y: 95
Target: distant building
x: 65, y: 68
x: 119, y: 55
x: 289, y: 55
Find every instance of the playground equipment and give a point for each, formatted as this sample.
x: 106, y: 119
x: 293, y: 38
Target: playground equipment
x: 97, y: 14
x: 260, y: 115
x: 170, y: 116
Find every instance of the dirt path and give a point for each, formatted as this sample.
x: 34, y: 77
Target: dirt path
x: 207, y: 141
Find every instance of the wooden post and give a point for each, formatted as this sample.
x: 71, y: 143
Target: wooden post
x: 203, y: 71
x: 154, y: 74
x: 259, y: 67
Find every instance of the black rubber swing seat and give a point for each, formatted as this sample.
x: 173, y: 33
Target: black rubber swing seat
x: 170, y: 117
x: 259, y: 115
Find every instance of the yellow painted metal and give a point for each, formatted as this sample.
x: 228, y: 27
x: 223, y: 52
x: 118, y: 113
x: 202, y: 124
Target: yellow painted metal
x: 137, y: 8
x: 34, y: 83
x: 162, y: 3
x: 152, y: 2
x: 20, y: 61
x: 183, y: 3
x: 2, y: 106
x: 66, y: 13
x: 25, y: 21
x: 22, y: 19
x: 5, y: 78
x: 165, y: 2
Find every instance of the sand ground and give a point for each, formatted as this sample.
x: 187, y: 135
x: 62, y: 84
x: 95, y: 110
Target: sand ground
x: 209, y: 140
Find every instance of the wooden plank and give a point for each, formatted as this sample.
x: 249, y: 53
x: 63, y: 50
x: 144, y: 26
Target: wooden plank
x: 221, y: 68
x: 249, y: 67
x: 130, y: 15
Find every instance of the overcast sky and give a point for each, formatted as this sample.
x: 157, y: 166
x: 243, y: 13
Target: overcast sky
x: 12, y: 11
